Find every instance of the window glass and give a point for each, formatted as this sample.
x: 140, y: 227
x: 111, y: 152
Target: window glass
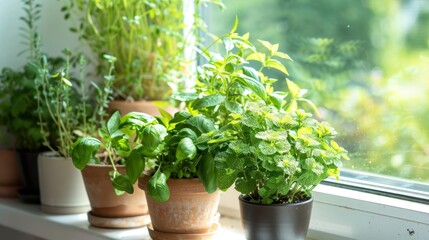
x: 366, y: 65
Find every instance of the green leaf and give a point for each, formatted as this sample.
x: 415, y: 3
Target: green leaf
x: 293, y: 88
x: 114, y: 122
x: 122, y: 183
x: 66, y: 82
x: 184, y: 96
x: 282, y: 55
x: 252, y: 84
x: 157, y: 187
x: 225, y: 179
x: 83, y: 150
x: 267, y: 45
x: 234, y: 28
x: 208, y: 101
x: 277, y: 100
x: 229, y: 44
x: 152, y: 136
x: 251, y: 72
x: 245, y: 186
x: 206, y: 173
x: 122, y: 147
x: 267, y: 148
x: 136, y: 118
x: 135, y: 164
x: 239, y: 147
x: 180, y: 116
x: 273, y: 63
x: 233, y: 107
x: 250, y: 119
x: 271, y: 135
x: 311, y: 104
x: 186, y: 149
x: 187, y: 132
x: 257, y: 56
x: 166, y: 116
x: 203, y: 124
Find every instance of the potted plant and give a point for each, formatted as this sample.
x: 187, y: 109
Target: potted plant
x: 273, y: 152
x: 65, y: 100
x: 182, y: 183
x: 102, y: 162
x: 9, y: 176
x: 18, y: 109
x: 149, y: 38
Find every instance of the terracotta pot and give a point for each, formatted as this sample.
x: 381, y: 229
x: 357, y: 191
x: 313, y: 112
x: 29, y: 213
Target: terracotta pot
x: 9, y: 174
x: 275, y: 221
x: 148, y: 107
x: 62, y: 190
x: 190, y: 209
x: 29, y: 174
x: 104, y: 201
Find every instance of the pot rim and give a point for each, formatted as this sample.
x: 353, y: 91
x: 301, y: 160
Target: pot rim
x: 244, y: 201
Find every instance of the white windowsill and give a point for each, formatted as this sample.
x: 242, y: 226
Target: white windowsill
x: 338, y: 214
x: 341, y: 214
x: 31, y: 220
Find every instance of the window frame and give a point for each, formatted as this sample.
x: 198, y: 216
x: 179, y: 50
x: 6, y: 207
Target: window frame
x: 340, y: 213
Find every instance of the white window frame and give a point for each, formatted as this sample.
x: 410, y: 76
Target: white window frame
x: 340, y: 213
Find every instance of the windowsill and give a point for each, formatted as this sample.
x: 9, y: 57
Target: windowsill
x: 340, y: 214
x: 31, y: 220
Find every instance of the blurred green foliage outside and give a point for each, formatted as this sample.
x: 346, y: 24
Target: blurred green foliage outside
x: 365, y: 63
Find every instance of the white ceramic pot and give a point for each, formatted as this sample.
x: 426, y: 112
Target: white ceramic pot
x: 62, y: 190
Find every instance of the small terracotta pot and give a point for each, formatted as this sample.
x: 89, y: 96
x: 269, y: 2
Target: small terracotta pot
x: 189, y: 210
x: 275, y: 221
x: 61, y: 185
x: 148, y: 107
x: 9, y: 174
x: 104, y: 201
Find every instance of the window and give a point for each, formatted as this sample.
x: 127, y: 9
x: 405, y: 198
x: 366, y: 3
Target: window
x: 365, y: 64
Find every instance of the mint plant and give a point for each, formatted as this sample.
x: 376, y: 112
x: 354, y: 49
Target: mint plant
x: 269, y: 147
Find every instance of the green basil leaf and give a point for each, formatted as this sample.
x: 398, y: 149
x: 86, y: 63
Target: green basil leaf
x: 180, y: 117
x: 135, y: 164
x: 203, y: 124
x: 206, y: 173
x: 152, y: 136
x: 208, y: 101
x: 186, y: 149
x: 83, y: 150
x: 187, y: 132
x: 123, y: 183
x: 157, y: 187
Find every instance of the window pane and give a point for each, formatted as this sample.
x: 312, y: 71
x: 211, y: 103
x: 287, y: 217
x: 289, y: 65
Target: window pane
x: 365, y: 63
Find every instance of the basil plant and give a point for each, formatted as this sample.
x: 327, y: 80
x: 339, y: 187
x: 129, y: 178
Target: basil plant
x: 178, y: 145
x: 269, y: 147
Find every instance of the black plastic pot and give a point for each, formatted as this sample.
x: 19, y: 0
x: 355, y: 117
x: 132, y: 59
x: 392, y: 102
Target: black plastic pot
x: 275, y: 221
x: 27, y: 163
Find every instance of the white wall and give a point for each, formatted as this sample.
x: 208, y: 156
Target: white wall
x: 52, y: 28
